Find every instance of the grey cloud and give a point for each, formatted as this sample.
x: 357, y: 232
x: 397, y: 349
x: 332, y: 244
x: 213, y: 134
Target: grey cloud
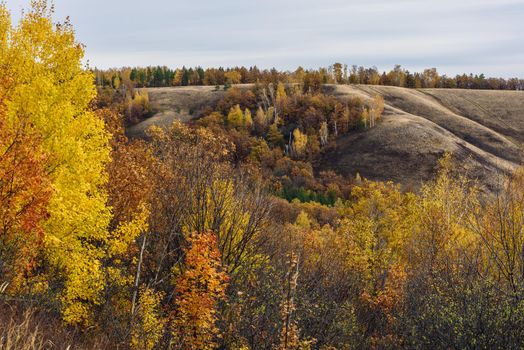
x: 454, y: 36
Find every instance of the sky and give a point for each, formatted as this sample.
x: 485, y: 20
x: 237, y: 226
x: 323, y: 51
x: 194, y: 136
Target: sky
x: 455, y: 36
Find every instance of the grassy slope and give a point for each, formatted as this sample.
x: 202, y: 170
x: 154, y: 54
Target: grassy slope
x: 483, y: 129
x: 182, y: 103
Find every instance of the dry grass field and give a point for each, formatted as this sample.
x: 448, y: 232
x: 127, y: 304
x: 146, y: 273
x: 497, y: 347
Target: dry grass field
x: 483, y: 129
x: 182, y: 103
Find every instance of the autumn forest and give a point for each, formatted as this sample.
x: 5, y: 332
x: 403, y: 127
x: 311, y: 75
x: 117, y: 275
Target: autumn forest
x: 226, y: 231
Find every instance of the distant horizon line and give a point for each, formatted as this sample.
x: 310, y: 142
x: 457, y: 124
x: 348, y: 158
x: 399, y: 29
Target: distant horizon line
x: 287, y: 70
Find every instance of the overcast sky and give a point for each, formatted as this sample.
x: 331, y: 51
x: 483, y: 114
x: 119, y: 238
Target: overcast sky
x: 453, y: 35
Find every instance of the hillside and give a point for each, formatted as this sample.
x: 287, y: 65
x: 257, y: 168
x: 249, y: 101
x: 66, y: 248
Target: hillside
x: 483, y: 129
x: 182, y: 103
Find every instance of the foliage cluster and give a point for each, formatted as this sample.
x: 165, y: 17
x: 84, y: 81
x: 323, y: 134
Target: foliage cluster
x: 337, y: 73
x: 178, y: 242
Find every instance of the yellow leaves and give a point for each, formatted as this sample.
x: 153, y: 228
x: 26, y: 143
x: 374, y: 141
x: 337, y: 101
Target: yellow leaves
x: 40, y: 58
x: 299, y: 143
x: 127, y: 232
x: 320, y: 247
x: 149, y: 325
x: 84, y: 282
x: 136, y: 107
x: 303, y: 220
x: 233, y: 77
x: 49, y: 90
x: 377, y: 225
x: 444, y: 209
x: 5, y: 25
x: 25, y: 188
x: 235, y: 117
x: 281, y: 93
x: 238, y: 119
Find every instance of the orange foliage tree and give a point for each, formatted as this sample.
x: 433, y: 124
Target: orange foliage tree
x: 200, y: 286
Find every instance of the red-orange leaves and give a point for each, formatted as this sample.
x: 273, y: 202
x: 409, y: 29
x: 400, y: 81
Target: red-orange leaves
x: 199, y: 287
x: 24, y: 194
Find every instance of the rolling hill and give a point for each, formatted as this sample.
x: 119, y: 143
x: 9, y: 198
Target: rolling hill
x: 483, y: 129
x: 182, y: 103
